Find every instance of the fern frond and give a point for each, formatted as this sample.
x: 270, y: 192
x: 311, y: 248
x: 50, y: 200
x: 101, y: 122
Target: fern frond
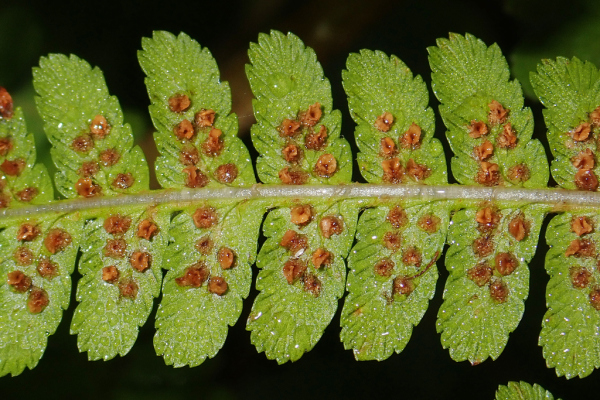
x: 491, y: 244
x: 522, y: 391
x: 122, y: 249
x: 570, y: 91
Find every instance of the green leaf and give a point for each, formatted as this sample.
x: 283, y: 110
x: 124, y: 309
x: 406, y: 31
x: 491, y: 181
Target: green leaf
x: 192, y: 320
x: 121, y: 268
x: 570, y: 91
x: 21, y: 180
x: 92, y: 148
x: 377, y: 85
x: 288, y: 82
x: 378, y: 317
x: 471, y: 80
x: 41, y: 271
x: 288, y: 317
x: 569, y: 335
x: 182, y: 81
x: 522, y: 391
x: 489, y: 278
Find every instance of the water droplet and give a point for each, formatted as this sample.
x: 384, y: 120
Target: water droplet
x: 280, y: 84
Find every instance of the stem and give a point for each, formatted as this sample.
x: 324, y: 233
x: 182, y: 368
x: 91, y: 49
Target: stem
x: 556, y: 199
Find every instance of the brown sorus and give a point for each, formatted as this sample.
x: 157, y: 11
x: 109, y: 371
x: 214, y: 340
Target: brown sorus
x: 483, y: 151
x: 392, y: 170
x: 480, y: 274
x: 205, y: 245
x: 226, y: 257
x: 4, y: 200
x: 581, y: 248
x: 294, y: 242
x: 584, y: 160
x: 109, y: 157
x: 117, y: 224
x: 205, y: 217
x: 293, y: 269
x: 6, y: 104
x: 497, y: 114
x: 87, y: 188
x: 595, y: 298
x: 312, y: 115
x: 140, y: 260
x: 189, y: 155
x: 412, y: 257
x: 594, y: 117
x: 518, y: 173
x: 184, y: 130
x: 88, y: 169
x: 28, y: 232
x: 123, y: 181
x: 402, y: 285
x: 289, y: 128
x: 430, y: 223
x: 312, y: 284
x: 37, y: 300
x: 115, y: 248
x: 147, y: 229
x: 581, y: 133
x: 226, y: 173
x: 19, y: 282
x: 384, y: 267
x: 321, y: 257
x: 213, y: 145
x: 384, y: 122
x: 397, y: 217
x: 14, y: 167
x: 580, y: 277
x: 487, y: 219
x: 204, y: 118
x: 110, y: 274
x: 47, y: 269
x: 292, y: 177
x: 217, y: 285
x: 301, y: 215
x: 326, y: 166
x: 316, y: 140
x: 23, y: 256
x: 499, y: 291
x: 331, y: 226
x: 194, y: 275
x: 518, y: 227
x: 488, y: 174
x: 411, y: 139
x: 27, y: 194
x: 506, y: 263
x: 179, y: 103
x: 392, y: 240
x: 99, y: 127
x: 5, y: 146
x: 581, y: 225
x: 128, y: 288
x: 83, y: 143
x: 387, y: 147
x: 483, y: 246
x: 477, y: 129
x: 57, y: 240
x: 417, y: 172
x: 507, y: 139
x: 195, y: 178
x: 586, y: 180
x: 292, y: 153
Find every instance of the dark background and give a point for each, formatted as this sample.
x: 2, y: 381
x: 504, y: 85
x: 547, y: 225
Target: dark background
x: 108, y: 35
